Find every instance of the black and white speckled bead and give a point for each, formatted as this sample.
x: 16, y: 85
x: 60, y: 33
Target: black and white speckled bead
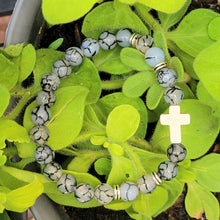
x: 123, y: 37
x: 44, y: 154
x: 46, y: 98
x: 173, y: 95
x: 74, y: 56
x: 84, y: 193
x: 90, y: 47
x: 176, y: 153
x: 66, y: 184
x: 52, y: 171
x: 50, y: 82
x: 166, y: 77
x: 104, y: 193
x: 107, y: 40
x: 41, y: 114
x: 129, y: 191
x: 167, y: 170
x: 62, y: 68
x: 39, y: 134
x: 146, y: 184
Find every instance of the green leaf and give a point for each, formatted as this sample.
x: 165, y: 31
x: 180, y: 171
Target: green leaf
x: 167, y: 6
x: 26, y: 150
x: 20, y: 199
x: 206, y: 98
x: 213, y: 29
x: 202, y: 130
x: 168, y: 20
x: 86, y: 76
x: 109, y: 61
x: 106, y: 104
x: 58, y: 13
x: 122, y: 123
x: 8, y: 73
x: 13, y: 50
x: 4, y: 99
x: 178, y: 67
x: 137, y: 84
x: 11, y: 131
x: 56, y: 44
x: 3, y: 158
x: 207, y: 171
x: 154, y: 95
x: 4, y: 216
x: 207, y: 62
x: 112, y: 17
x: 134, y: 59
x: 198, y: 200
x: 67, y: 116
x: 98, y: 140
x: 103, y: 166
x: 191, y: 35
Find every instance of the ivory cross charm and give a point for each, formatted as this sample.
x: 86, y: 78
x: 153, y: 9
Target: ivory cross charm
x: 174, y: 119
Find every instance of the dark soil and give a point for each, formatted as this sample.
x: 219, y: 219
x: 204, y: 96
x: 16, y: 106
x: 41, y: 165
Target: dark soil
x: 73, y: 37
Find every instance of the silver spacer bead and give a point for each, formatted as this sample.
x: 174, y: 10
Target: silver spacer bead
x: 159, y: 66
x: 156, y: 178
x: 117, y: 193
x: 133, y: 39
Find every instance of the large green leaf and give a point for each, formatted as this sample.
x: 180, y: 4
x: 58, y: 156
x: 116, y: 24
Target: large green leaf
x: 57, y: 13
x: 4, y: 99
x: 202, y: 130
x: 198, y: 200
x: 122, y: 123
x: 207, y: 171
x: 112, y: 16
x: 67, y: 116
x: 213, y: 29
x: 208, y: 62
x: 3, y: 158
x: 11, y: 131
x: 8, y: 73
x: 191, y: 35
x: 106, y: 104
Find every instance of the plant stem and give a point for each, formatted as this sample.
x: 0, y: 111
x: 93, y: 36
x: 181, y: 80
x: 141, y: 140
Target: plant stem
x: 154, y: 25
x: 22, y: 102
x: 112, y: 84
x: 140, y: 143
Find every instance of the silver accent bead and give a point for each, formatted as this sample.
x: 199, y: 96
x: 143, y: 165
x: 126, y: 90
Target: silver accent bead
x: 40, y: 115
x: 44, y: 154
x: 104, y: 193
x: 84, y: 193
x: 160, y: 66
x: 66, y: 184
x: 46, y: 98
x: 117, y: 192
x: 52, y: 171
x: 39, y: 134
x: 156, y: 178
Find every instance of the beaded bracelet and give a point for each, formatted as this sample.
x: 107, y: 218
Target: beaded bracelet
x: 173, y: 95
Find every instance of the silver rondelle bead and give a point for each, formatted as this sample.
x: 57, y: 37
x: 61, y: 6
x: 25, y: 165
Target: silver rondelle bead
x: 129, y: 191
x: 39, y: 134
x: 74, y: 56
x: 66, y: 184
x: 104, y: 193
x: 117, y: 192
x: 46, y: 98
x: 156, y: 178
x: 50, y: 82
x: 160, y: 66
x: 52, y: 171
x: 84, y: 193
x: 146, y: 184
x: 62, y: 68
x: 40, y: 115
x: 44, y: 154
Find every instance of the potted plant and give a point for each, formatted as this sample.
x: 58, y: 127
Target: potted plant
x: 95, y: 125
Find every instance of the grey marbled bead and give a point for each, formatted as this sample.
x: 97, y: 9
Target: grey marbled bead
x: 129, y: 191
x: 176, y: 153
x: 50, y: 82
x: 46, y: 98
x: 74, y: 56
x: 62, y: 68
x: 40, y: 115
x: 39, y: 134
x: 90, y: 47
x: 167, y: 170
x: 154, y: 56
x: 66, y: 184
x: 173, y: 95
x: 44, y: 154
x: 52, y: 171
x: 144, y: 43
x: 123, y: 37
x: 107, y: 40
x: 84, y: 193
x: 146, y: 184
x: 104, y: 193
x: 166, y: 77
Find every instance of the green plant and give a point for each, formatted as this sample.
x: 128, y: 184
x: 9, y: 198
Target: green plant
x: 110, y: 131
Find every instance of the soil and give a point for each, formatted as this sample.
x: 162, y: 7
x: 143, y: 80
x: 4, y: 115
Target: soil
x: 72, y: 36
